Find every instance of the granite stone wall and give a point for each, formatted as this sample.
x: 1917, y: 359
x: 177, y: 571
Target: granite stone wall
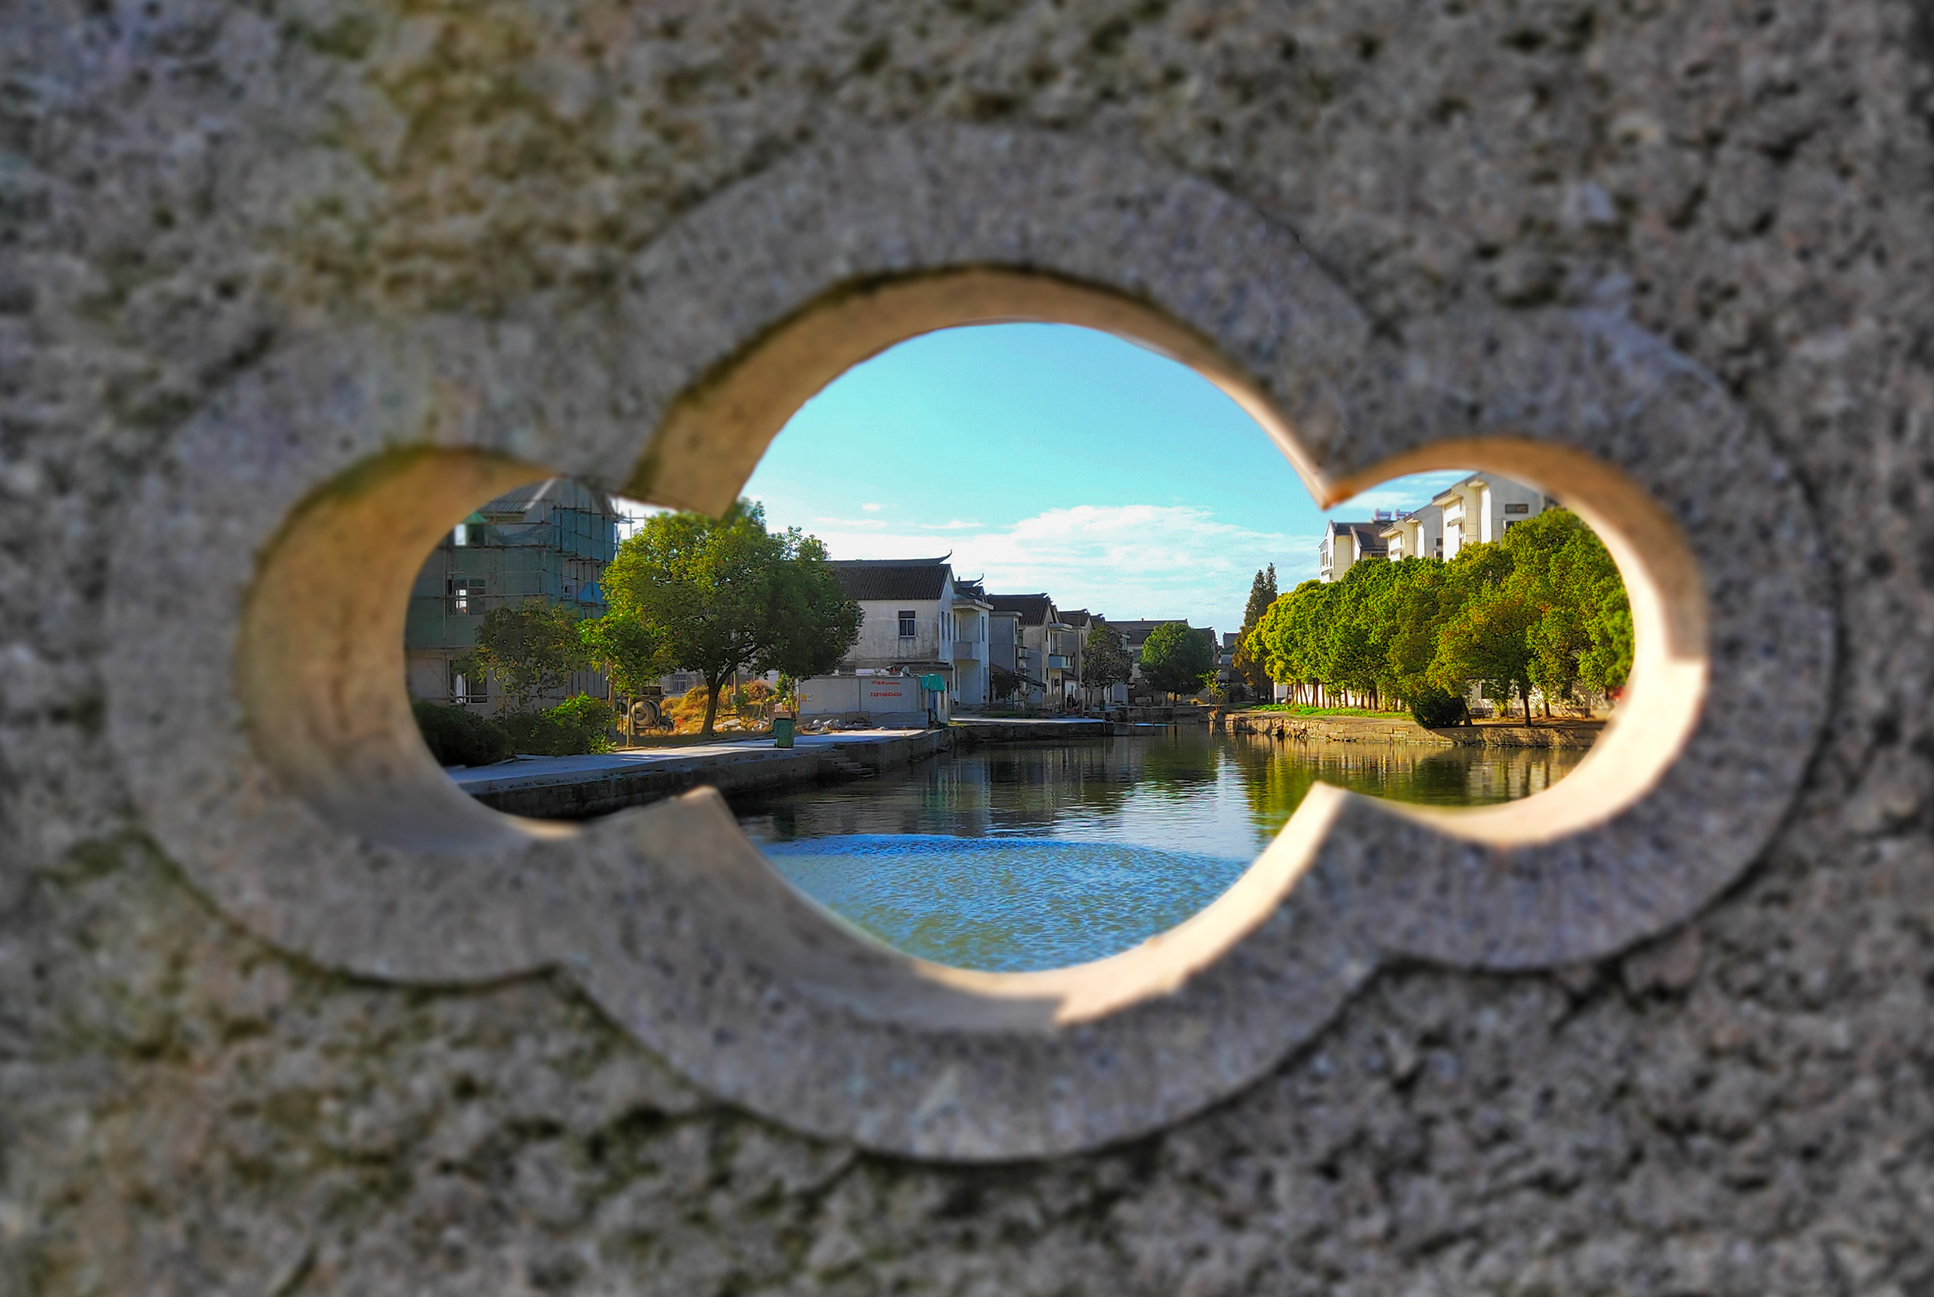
x: 1745, y: 1106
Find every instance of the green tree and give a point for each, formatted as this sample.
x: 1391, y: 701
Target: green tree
x: 531, y: 649
x: 728, y: 595
x: 1104, y: 661
x: 1289, y: 635
x: 814, y: 624
x: 1607, y: 664
x: 632, y: 653
x: 1583, y: 623
x: 1251, y: 661
x: 1488, y: 639
x: 1177, y: 659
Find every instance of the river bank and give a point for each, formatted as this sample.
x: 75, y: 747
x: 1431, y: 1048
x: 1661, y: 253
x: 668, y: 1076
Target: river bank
x: 1555, y: 733
x: 578, y: 787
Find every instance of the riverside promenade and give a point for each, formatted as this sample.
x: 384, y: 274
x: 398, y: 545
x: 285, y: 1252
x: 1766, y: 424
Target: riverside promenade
x: 578, y: 787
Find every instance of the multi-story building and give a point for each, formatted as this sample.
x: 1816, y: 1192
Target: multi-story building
x: 917, y: 620
x: 1049, y: 650
x: 1344, y: 543
x: 549, y: 541
x: 1479, y: 509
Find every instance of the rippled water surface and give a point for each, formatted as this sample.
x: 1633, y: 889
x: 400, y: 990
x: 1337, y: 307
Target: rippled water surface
x: 1025, y: 856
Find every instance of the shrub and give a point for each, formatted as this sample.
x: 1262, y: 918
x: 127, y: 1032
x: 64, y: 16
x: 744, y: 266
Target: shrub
x: 1438, y: 708
x: 571, y: 728
x: 457, y: 736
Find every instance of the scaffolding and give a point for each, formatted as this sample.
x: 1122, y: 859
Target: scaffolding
x: 549, y: 541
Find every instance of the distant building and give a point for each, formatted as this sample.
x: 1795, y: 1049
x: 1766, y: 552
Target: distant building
x: 1345, y: 543
x: 917, y: 620
x: 1046, y: 656
x: 550, y: 541
x: 1479, y: 509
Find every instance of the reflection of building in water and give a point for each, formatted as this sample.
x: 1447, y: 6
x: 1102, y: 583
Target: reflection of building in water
x: 548, y: 541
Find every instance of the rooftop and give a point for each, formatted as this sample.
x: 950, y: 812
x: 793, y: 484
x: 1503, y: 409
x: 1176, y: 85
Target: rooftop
x: 870, y: 578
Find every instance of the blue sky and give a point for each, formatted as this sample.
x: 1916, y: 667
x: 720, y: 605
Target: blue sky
x: 1048, y: 457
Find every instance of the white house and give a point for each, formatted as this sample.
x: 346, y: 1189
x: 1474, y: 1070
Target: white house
x: 917, y: 620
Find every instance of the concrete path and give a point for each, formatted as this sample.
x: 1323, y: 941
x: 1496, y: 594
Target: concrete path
x: 573, y: 787
x: 525, y: 771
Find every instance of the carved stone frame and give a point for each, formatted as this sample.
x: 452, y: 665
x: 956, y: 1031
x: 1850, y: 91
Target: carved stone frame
x: 256, y: 622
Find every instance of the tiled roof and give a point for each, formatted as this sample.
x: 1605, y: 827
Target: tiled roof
x: 1033, y: 608
x: 1369, y: 538
x: 873, y: 579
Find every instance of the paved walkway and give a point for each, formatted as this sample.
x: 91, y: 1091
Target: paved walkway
x: 525, y: 771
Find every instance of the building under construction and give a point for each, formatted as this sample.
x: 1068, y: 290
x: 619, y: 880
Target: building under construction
x: 550, y: 541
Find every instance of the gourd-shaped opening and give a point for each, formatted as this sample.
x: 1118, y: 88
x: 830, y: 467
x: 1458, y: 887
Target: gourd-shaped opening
x: 923, y: 796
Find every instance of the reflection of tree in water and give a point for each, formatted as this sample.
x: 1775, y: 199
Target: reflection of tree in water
x: 1276, y: 777
x: 1030, y: 789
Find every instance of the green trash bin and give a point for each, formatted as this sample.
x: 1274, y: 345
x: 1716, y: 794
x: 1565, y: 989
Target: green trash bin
x: 782, y: 731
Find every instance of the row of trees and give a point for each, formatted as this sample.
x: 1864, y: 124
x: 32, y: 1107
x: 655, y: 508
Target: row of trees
x: 686, y: 592
x: 1543, y: 609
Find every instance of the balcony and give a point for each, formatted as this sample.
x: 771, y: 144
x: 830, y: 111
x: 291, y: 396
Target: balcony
x: 970, y: 651
x: 1057, y: 662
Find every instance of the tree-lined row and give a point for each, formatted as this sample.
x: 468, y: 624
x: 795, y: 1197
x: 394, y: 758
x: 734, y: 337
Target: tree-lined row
x: 686, y: 592
x: 1542, y: 609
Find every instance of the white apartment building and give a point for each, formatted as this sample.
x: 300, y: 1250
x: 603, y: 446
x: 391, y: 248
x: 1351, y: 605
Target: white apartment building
x: 1345, y: 543
x: 1477, y: 510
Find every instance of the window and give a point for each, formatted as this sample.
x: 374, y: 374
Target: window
x: 1516, y: 508
x: 467, y: 596
x: 906, y: 624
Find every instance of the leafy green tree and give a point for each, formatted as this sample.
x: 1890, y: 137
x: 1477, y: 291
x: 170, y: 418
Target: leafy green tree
x: 1104, y: 660
x: 1560, y: 565
x: 1251, y: 661
x: 632, y: 653
x: 814, y: 624
x: 531, y: 649
x: 1607, y: 664
x: 1177, y: 659
x: 1487, y: 639
x: 728, y: 595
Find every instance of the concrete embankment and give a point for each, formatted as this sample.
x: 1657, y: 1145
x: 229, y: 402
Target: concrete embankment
x: 1031, y: 729
x: 579, y: 787
x: 569, y: 788
x: 1566, y: 733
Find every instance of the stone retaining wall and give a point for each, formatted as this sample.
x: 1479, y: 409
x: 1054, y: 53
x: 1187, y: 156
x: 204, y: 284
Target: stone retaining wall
x: 1395, y: 729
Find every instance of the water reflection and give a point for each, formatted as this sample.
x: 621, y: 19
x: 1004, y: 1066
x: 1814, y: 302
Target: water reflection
x: 1037, y: 856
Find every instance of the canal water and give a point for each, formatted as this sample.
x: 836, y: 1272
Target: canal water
x: 1030, y: 856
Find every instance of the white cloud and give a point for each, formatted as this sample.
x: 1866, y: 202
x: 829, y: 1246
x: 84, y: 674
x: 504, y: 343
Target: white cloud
x: 1127, y: 561
x: 870, y: 507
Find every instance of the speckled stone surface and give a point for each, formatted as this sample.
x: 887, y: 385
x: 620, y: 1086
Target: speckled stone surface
x: 192, y: 195
x: 749, y: 993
